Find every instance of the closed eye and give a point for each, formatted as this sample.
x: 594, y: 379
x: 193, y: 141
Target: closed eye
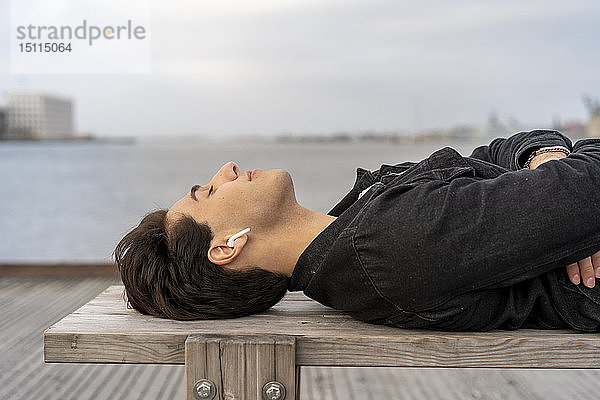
x: 210, y: 190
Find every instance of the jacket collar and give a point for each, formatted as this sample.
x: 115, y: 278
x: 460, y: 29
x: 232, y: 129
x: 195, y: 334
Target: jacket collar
x: 312, y: 257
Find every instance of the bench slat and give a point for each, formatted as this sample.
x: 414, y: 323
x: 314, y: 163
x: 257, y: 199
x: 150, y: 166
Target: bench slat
x: 105, y: 331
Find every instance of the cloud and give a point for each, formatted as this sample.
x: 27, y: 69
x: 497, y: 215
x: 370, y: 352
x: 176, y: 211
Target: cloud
x: 267, y: 67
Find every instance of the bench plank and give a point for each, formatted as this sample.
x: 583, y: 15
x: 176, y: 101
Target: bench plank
x: 105, y: 331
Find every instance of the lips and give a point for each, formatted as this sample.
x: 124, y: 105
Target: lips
x: 252, y: 174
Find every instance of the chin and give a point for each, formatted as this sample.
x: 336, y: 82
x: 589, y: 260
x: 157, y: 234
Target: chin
x: 284, y: 177
x: 282, y: 185
x: 272, y: 199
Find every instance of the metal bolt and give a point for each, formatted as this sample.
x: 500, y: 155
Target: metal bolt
x: 204, y: 389
x: 273, y: 391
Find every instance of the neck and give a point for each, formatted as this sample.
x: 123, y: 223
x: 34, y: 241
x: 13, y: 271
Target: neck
x: 287, y: 241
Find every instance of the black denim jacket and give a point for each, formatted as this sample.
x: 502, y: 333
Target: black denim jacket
x: 464, y: 243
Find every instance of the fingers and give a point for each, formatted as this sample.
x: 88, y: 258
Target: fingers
x: 596, y: 262
x: 573, y: 272
x: 587, y: 272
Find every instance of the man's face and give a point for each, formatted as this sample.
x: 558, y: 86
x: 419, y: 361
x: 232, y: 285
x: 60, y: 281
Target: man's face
x: 237, y: 201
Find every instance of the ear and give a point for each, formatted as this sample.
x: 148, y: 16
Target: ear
x: 221, y: 254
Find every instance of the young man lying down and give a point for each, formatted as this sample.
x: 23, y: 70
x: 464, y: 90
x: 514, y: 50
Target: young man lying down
x: 506, y: 238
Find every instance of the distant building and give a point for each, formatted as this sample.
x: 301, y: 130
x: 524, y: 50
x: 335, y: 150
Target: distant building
x: 576, y: 129
x: 2, y: 122
x: 593, y: 106
x: 38, y: 116
x: 593, y: 126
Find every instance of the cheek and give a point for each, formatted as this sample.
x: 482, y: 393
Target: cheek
x: 229, y: 201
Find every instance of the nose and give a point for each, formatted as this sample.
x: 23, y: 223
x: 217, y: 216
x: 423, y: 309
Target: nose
x: 229, y: 171
x: 230, y: 168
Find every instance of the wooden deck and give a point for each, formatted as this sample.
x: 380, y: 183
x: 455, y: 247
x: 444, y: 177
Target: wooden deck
x: 28, y: 306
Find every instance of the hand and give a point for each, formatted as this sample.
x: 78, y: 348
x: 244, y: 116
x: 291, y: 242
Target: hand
x: 584, y: 269
x: 544, y: 157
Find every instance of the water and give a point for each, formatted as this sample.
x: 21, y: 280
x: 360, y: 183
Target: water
x: 73, y: 201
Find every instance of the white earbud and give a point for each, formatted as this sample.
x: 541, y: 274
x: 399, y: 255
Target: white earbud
x: 237, y: 235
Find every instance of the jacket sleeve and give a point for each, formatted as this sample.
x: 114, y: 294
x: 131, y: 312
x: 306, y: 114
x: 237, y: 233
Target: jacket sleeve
x: 512, y: 152
x: 497, y: 231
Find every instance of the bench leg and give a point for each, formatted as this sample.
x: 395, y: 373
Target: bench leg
x: 239, y: 367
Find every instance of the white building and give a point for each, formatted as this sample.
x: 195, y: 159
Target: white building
x: 2, y: 122
x: 38, y: 116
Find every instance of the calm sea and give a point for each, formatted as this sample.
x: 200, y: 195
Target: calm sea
x: 73, y: 201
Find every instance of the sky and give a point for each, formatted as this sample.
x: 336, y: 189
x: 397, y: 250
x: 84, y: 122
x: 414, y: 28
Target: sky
x: 225, y: 68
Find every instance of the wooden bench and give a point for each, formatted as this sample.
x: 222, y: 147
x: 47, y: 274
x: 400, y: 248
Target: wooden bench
x: 259, y: 356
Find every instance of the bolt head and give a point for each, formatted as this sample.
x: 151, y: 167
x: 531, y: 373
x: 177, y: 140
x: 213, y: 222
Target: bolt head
x: 203, y: 390
x: 273, y: 390
x: 274, y: 393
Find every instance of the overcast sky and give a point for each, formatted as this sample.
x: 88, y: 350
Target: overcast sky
x: 268, y: 67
